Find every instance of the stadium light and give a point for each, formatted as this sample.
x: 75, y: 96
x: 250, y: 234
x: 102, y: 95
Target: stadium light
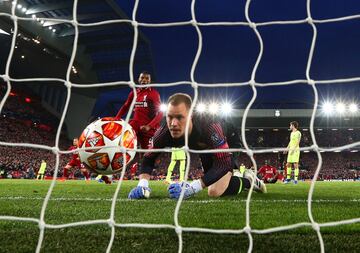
x: 201, y: 108
x: 19, y: 6
x: 54, y: 30
x: 277, y: 113
x: 50, y: 27
x: 163, y: 107
x: 24, y: 9
x: 328, y: 108
x: 353, y: 108
x: 213, y: 108
x: 340, y: 108
x: 226, y: 108
x: 33, y: 16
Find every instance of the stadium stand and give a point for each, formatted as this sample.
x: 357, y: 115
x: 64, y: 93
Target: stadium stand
x: 24, y: 120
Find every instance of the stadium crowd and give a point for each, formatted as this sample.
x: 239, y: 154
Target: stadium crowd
x: 25, y: 122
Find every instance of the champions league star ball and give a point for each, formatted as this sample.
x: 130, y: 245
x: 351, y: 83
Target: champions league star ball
x: 105, y: 135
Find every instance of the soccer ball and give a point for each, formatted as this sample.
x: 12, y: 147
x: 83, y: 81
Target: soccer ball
x: 105, y: 135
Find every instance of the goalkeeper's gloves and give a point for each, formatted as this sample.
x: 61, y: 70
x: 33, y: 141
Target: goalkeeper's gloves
x: 139, y: 192
x: 189, y: 189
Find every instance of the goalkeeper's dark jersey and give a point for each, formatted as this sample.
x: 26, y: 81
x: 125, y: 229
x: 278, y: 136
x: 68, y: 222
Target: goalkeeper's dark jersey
x: 207, y: 133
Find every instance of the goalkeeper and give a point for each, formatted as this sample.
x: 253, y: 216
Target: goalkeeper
x: 204, y: 133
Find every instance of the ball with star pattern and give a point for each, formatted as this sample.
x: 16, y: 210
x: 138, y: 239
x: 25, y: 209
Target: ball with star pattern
x: 107, y: 136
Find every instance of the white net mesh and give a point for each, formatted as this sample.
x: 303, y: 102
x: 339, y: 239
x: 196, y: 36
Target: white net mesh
x: 252, y: 83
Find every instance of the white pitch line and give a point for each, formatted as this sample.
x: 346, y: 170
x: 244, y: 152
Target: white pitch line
x: 187, y: 201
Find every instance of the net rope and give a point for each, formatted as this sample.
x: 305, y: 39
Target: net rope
x: 195, y: 85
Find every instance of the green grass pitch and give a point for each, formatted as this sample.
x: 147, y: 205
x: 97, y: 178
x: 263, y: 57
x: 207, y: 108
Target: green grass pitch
x: 74, y: 201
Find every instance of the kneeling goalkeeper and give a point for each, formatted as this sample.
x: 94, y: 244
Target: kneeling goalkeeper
x: 204, y: 133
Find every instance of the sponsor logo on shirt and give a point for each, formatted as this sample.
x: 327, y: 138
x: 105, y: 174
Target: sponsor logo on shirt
x: 217, y: 140
x: 141, y: 104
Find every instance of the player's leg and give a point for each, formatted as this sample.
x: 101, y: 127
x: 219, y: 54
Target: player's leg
x: 296, y: 166
x: 85, y: 173
x: 182, y: 169
x: 259, y: 185
x: 228, y: 184
x: 288, y: 171
x: 170, y: 171
x: 224, y: 186
x: 296, y: 172
x: 218, y: 188
x: 83, y: 170
x: 67, y: 170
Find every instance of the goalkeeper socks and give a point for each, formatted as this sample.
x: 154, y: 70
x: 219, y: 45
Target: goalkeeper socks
x: 236, y: 185
x: 296, y: 173
x: 288, y: 173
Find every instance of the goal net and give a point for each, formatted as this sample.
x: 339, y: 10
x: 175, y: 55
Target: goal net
x: 176, y: 226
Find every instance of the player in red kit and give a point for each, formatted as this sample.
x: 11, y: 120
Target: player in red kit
x: 147, y: 114
x: 269, y: 174
x: 75, y: 162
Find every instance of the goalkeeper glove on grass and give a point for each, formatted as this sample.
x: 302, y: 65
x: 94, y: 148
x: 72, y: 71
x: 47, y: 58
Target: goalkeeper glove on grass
x: 190, y: 189
x: 139, y: 192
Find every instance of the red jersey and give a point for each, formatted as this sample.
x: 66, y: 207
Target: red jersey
x: 74, y: 155
x: 267, y: 171
x: 147, y: 108
x: 75, y: 159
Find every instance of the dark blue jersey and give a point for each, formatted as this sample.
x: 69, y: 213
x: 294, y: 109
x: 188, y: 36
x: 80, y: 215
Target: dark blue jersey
x: 207, y: 133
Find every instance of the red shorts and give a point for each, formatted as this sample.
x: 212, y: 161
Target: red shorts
x: 74, y: 163
x: 143, y: 138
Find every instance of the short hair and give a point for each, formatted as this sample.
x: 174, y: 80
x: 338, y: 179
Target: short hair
x: 179, y: 98
x: 144, y: 72
x: 295, y: 124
